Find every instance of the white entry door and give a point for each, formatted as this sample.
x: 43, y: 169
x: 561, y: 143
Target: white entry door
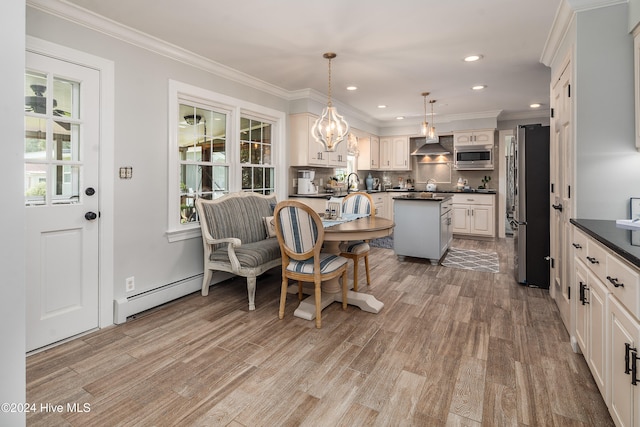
x: 61, y: 166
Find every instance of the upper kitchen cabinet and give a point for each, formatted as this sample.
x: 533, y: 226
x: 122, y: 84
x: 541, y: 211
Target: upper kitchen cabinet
x: 394, y: 153
x: 369, y: 153
x: 305, y: 151
x: 474, y: 137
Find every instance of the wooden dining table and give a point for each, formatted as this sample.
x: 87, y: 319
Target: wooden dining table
x: 366, y: 228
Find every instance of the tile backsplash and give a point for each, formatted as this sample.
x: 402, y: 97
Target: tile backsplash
x: 422, y: 169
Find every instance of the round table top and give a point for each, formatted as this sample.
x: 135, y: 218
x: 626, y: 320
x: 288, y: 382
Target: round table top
x: 370, y: 227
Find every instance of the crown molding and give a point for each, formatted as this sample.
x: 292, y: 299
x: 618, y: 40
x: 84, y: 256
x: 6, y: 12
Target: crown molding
x: 525, y: 115
x: 78, y: 15
x: 562, y: 22
x: 559, y: 28
x: 582, y: 5
x: 442, y: 118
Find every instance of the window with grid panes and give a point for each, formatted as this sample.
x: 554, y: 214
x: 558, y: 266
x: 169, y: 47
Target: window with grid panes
x: 258, y: 172
x: 217, y: 145
x: 203, y: 157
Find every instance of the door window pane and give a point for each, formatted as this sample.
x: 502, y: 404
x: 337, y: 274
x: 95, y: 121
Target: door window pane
x: 66, y: 142
x: 66, y: 98
x: 35, y: 183
x: 35, y: 89
x: 52, y: 140
x: 35, y: 138
x: 66, y: 181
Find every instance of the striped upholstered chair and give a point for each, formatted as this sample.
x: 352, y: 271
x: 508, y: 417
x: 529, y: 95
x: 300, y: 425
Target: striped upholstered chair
x: 357, y: 249
x: 300, y: 234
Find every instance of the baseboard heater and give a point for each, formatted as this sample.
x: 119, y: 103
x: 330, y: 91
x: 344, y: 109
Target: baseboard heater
x: 134, y: 304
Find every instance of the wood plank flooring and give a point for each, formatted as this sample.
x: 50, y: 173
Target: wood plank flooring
x: 450, y: 347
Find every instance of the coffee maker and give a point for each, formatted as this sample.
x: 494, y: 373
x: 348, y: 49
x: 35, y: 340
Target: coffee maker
x: 305, y: 182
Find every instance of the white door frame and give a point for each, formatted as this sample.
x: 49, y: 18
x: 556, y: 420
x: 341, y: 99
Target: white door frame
x: 502, y: 181
x: 106, y: 193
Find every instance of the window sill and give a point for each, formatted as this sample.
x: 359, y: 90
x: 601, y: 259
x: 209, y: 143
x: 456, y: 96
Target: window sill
x: 186, y: 233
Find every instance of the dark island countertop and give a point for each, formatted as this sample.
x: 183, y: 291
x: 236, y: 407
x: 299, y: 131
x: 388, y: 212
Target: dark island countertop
x: 619, y: 240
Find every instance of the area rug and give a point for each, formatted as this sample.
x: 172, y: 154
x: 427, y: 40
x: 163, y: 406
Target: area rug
x: 382, y: 242
x: 468, y: 259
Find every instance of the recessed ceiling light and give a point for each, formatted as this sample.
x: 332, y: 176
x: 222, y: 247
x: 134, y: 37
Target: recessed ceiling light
x: 478, y: 87
x: 352, y: 87
x: 472, y: 58
x: 535, y: 105
x: 382, y: 106
x: 400, y: 118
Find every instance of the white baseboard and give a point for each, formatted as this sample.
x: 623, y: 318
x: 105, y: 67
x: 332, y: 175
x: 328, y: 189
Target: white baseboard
x: 125, y: 307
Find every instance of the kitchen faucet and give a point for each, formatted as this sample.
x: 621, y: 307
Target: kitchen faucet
x: 349, y: 183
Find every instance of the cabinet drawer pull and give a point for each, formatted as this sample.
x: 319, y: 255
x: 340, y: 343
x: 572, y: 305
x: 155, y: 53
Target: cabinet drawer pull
x: 614, y: 281
x: 577, y: 245
x: 583, y: 293
x: 592, y: 260
x: 634, y: 368
x: 631, y: 355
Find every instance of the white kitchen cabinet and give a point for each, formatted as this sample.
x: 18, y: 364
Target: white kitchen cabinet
x: 394, y: 153
x: 318, y: 204
x: 607, y: 326
x: 624, y: 342
x: 388, y: 205
x: 379, y: 203
x: 474, y: 214
x: 591, y: 317
x: 305, y: 151
x: 369, y: 153
x: 474, y: 137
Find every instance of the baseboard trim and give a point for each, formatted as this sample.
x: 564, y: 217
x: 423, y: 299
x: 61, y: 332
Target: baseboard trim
x: 125, y: 307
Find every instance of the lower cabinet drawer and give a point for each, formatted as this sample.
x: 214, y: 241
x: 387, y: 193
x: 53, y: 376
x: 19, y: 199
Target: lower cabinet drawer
x: 596, y: 259
x: 624, y: 283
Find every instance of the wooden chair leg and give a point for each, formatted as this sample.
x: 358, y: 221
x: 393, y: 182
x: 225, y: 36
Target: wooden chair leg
x: 283, y: 297
x: 345, y: 288
x: 366, y: 267
x: 318, y: 295
x: 299, y: 290
x: 355, y: 274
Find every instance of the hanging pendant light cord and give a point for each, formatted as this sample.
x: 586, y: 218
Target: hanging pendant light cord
x: 329, y: 92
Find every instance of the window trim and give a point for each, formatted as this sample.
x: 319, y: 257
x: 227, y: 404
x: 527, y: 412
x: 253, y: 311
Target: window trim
x: 180, y: 92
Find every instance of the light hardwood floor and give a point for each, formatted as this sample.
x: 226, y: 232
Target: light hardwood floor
x: 450, y: 347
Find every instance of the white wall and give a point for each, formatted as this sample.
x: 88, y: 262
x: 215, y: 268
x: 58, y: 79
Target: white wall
x: 141, y: 248
x: 608, y: 164
x: 12, y: 285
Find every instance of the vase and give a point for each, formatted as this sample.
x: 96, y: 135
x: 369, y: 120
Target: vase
x: 369, y: 182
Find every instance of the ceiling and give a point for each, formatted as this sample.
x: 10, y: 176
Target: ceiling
x: 392, y: 51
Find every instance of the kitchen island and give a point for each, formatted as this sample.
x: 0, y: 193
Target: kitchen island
x: 423, y: 225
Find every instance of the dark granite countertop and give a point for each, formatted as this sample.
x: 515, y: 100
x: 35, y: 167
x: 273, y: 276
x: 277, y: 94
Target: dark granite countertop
x: 613, y: 237
x: 324, y: 195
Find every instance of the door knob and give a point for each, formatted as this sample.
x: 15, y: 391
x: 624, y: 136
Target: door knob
x: 90, y: 191
x: 90, y: 216
x: 557, y: 207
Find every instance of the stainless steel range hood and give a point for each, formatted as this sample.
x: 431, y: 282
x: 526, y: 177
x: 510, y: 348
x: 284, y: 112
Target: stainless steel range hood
x: 428, y: 148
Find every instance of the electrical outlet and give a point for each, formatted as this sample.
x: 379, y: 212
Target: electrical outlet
x: 130, y: 284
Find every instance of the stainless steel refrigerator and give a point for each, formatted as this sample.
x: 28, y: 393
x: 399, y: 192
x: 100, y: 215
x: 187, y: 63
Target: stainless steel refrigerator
x: 531, y: 205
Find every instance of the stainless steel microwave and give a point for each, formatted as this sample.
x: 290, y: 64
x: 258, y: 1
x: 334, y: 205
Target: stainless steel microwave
x: 473, y: 157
